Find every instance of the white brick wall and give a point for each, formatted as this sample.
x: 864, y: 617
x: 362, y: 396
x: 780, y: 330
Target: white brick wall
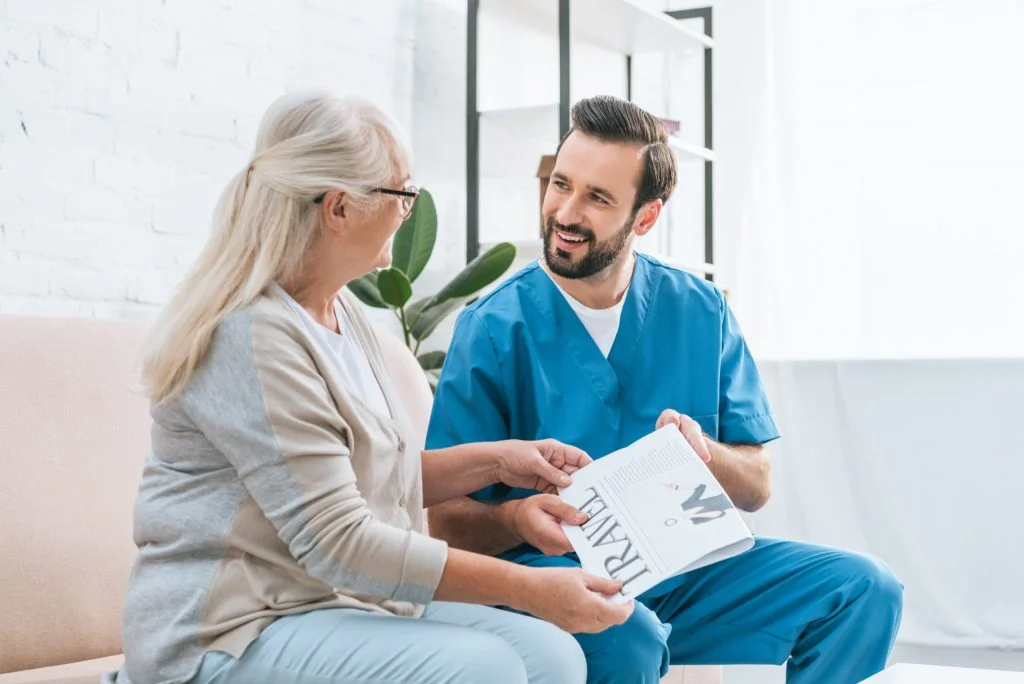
x: 121, y: 120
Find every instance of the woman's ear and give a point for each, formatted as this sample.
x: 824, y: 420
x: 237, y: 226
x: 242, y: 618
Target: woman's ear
x: 334, y: 210
x: 337, y: 203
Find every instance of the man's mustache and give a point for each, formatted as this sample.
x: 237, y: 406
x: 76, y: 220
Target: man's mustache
x: 570, y: 230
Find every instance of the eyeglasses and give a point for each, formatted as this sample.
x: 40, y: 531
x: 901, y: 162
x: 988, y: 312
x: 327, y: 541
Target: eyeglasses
x: 408, y: 196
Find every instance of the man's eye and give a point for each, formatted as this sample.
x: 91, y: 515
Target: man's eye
x: 561, y: 185
x: 599, y: 199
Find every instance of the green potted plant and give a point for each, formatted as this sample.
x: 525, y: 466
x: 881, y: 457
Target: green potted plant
x: 391, y: 288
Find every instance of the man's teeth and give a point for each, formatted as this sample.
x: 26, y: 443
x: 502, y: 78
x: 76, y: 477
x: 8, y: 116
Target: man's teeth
x: 571, y: 238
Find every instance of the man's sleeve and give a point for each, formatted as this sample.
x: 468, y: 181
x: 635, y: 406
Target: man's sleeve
x: 469, y: 403
x: 744, y: 415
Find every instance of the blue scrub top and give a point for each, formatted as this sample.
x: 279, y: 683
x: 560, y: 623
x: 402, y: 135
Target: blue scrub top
x: 521, y: 365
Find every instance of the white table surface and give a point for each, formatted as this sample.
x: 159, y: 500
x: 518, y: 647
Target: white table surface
x: 903, y: 673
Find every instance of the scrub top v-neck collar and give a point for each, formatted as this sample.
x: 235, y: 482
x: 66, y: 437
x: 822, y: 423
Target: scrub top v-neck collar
x: 606, y: 375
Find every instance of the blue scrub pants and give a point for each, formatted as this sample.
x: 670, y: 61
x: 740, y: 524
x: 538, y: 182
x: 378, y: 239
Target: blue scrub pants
x: 451, y: 643
x: 832, y: 614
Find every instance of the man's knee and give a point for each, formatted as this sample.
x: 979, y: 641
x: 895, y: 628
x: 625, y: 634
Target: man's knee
x: 632, y: 652
x: 886, y: 592
x: 880, y: 592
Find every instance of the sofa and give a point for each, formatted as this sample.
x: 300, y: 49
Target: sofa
x: 73, y: 432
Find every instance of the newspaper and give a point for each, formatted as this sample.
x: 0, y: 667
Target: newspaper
x: 655, y: 511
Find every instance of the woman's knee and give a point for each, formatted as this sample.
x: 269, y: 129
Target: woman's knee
x: 476, y: 657
x: 551, y: 655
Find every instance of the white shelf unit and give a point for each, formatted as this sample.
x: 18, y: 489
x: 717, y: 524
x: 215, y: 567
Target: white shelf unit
x: 506, y: 138
x: 621, y: 26
x: 684, y: 149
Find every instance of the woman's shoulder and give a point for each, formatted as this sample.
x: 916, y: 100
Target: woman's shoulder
x: 261, y: 335
x: 265, y: 320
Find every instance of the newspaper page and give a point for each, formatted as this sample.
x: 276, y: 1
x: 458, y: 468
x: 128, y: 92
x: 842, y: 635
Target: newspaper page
x: 655, y: 510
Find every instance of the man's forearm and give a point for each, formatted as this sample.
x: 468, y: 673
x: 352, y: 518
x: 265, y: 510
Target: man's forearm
x: 744, y: 471
x: 473, y: 526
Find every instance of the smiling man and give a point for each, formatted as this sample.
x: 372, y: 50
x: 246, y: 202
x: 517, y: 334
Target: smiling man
x: 596, y: 345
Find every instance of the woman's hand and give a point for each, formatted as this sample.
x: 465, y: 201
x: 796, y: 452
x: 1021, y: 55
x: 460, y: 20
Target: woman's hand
x: 545, y: 465
x: 573, y: 599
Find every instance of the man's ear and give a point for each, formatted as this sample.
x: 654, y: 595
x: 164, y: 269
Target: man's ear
x: 648, y: 216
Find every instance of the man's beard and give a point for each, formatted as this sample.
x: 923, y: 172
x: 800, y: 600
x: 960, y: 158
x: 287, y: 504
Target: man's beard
x: 599, y: 256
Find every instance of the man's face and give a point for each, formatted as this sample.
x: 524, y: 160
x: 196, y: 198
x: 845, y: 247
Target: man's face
x: 588, y: 206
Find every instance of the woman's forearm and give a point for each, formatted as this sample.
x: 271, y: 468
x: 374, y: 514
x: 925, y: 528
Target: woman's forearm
x: 473, y: 578
x: 567, y: 597
x: 458, y: 471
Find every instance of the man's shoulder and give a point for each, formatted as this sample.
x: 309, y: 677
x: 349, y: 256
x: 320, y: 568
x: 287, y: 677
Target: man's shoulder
x: 507, y: 296
x: 683, y: 287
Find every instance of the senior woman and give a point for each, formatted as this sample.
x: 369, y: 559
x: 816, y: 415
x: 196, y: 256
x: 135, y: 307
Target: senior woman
x: 280, y: 515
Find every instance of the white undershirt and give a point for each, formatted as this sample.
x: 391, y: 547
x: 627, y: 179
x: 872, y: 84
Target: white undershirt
x: 355, y: 363
x: 602, y: 324
x: 348, y: 354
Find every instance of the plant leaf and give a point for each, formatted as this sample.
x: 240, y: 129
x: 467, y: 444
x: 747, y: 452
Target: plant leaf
x: 365, y: 290
x: 427, y: 320
x: 394, y: 286
x: 413, y: 311
x: 432, y: 360
x: 414, y: 241
x: 480, y: 272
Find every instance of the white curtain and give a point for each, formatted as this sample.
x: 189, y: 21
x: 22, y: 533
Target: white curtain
x: 917, y: 463
x: 870, y: 203
x: 876, y: 185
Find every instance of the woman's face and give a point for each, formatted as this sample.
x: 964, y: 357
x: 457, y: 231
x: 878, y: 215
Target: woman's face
x: 383, y: 220
x: 365, y: 233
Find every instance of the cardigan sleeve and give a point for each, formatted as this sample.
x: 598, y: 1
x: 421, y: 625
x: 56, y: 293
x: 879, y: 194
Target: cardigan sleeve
x: 260, y: 401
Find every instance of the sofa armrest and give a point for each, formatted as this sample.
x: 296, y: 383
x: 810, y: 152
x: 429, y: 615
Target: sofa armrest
x: 83, y: 672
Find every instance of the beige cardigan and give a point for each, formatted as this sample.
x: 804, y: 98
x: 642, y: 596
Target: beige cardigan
x: 271, y: 489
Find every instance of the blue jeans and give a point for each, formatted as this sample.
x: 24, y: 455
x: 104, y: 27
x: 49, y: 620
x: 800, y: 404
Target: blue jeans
x: 831, y: 615
x: 452, y: 642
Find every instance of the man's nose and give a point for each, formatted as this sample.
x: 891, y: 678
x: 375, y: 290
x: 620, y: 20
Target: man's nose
x: 570, y: 212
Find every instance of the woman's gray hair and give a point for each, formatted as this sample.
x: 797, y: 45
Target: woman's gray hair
x: 308, y: 143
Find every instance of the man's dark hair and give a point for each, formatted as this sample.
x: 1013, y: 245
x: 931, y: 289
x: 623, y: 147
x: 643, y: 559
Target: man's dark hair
x: 611, y: 119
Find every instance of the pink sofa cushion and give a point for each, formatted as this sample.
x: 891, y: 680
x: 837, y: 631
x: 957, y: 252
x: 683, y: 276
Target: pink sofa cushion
x: 74, y: 432
x: 73, y: 437
x: 409, y: 380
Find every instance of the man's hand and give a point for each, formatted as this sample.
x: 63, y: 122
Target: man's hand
x: 537, y: 521
x: 545, y: 465
x: 691, y: 431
